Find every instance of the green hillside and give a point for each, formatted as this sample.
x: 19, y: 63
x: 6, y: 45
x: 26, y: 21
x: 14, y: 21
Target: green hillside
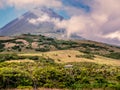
x: 39, y: 43
x: 32, y: 62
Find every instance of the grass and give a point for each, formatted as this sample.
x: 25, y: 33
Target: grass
x: 65, y: 56
x: 19, y: 61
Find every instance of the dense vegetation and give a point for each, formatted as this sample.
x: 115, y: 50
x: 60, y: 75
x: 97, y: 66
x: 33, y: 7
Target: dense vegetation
x: 44, y: 72
x: 115, y: 55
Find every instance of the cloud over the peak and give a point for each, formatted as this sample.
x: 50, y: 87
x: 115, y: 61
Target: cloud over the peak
x: 42, y: 18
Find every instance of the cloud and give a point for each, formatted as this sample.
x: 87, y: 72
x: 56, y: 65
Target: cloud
x: 1, y: 4
x: 78, y: 22
x: 101, y: 23
x: 113, y: 35
x: 75, y: 24
x: 42, y: 18
x: 28, y: 4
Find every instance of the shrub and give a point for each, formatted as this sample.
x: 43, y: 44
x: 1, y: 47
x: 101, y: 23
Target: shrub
x: 47, y: 60
x: 33, y: 57
x: 100, y: 82
x: 28, y: 39
x: 17, y: 48
x: 2, y: 46
x: 1, y: 50
x: 114, y: 55
x: 118, y: 77
x: 5, y: 57
x: 42, y: 49
x: 11, y: 77
x: 87, y: 56
x: 53, y: 77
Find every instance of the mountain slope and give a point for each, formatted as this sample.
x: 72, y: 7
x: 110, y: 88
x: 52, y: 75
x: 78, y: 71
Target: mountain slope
x: 27, y: 24
x: 21, y: 25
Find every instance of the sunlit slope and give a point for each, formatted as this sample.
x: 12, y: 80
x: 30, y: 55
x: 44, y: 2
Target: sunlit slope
x: 65, y: 56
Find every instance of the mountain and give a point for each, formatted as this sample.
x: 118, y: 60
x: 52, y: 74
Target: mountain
x: 27, y: 24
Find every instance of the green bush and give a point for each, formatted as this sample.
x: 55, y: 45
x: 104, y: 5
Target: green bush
x: 93, y: 46
x: 87, y: 56
x: 1, y: 50
x: 114, y: 55
x: 11, y: 77
x: 47, y: 61
x: 114, y: 86
x: 100, y: 82
x: 5, y: 57
x: 42, y: 49
x: 118, y: 77
x: 52, y: 77
x: 18, y: 48
x: 2, y: 46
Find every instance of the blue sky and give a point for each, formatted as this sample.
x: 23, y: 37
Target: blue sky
x: 77, y: 3
x: 9, y: 13
x: 6, y: 15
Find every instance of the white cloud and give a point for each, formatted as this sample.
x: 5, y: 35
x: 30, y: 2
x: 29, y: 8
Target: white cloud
x: 1, y: 4
x: 32, y: 21
x: 113, y: 35
x: 28, y: 4
x: 43, y: 18
x: 102, y: 20
x: 75, y: 24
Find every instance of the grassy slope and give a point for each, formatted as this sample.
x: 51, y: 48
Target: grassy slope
x: 65, y: 56
x: 32, y: 42
x: 60, y: 50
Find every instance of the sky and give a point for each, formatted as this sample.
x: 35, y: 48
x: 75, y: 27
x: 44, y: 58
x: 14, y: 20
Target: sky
x: 10, y: 12
x: 97, y: 20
